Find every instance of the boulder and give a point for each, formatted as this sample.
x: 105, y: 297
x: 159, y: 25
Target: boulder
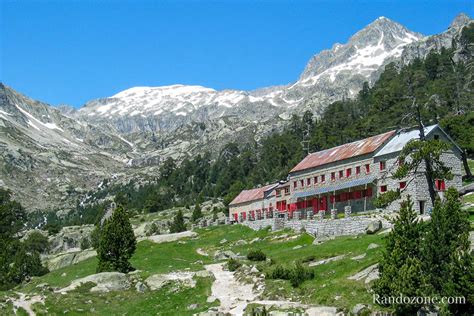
x: 55, y: 262
x: 356, y: 310
x: 157, y: 281
x: 211, y: 299
x: 223, y: 241
x: 369, y: 274
x: 240, y: 242
x: 373, y: 227
x: 320, y: 239
x: 373, y: 246
x: 105, y: 282
x: 360, y: 257
x: 141, y: 287
x: 321, y: 311
x: 224, y: 255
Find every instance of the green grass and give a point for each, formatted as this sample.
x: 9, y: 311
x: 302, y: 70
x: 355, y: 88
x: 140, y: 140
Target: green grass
x: 469, y: 198
x: 330, y: 279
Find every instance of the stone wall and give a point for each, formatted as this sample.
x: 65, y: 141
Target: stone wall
x: 326, y: 227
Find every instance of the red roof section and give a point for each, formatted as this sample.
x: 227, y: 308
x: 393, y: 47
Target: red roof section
x: 357, y: 148
x: 251, y: 195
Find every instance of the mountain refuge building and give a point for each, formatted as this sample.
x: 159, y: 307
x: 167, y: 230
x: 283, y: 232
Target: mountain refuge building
x: 347, y: 178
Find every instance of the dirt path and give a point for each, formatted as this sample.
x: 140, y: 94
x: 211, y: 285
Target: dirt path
x: 233, y: 295
x: 23, y: 302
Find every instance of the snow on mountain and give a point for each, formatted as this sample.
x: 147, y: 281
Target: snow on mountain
x: 329, y: 76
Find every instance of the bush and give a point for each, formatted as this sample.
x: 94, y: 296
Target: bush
x: 36, y: 242
x: 153, y: 230
x: 299, y: 274
x: 256, y: 255
x: 52, y: 228
x: 296, y: 274
x: 233, y: 264
x: 85, y: 243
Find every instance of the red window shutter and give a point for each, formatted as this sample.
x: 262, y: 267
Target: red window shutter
x: 357, y: 170
x: 235, y: 217
x: 295, y: 184
x: 369, y: 192
x: 367, y: 168
x: 348, y: 172
x: 244, y: 215
x: 341, y: 174
x: 403, y: 184
x: 383, y: 188
x: 382, y: 165
x: 331, y: 198
x: 333, y: 176
x: 308, y: 181
x: 443, y: 185
x: 323, y: 178
x: 302, y: 183
x: 315, y: 180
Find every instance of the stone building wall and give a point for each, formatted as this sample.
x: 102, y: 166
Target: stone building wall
x: 327, y: 227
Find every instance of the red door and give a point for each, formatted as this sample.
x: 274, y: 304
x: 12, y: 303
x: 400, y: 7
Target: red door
x: 236, y: 217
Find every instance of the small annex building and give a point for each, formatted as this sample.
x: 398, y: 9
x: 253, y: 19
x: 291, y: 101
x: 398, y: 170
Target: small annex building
x: 351, y: 174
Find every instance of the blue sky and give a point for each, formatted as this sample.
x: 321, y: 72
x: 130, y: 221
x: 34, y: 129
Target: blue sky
x: 74, y: 51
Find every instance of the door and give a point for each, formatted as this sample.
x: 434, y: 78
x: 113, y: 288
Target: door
x: 422, y: 207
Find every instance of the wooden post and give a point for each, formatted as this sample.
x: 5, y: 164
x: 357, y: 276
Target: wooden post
x: 365, y: 198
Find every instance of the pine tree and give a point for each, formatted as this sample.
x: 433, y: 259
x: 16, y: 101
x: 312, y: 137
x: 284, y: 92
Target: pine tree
x: 178, y: 225
x: 401, y: 265
x: 117, y: 243
x: 197, y: 213
x: 448, y: 263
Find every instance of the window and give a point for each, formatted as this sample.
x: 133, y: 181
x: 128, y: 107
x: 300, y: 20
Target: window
x: 287, y: 190
x: 302, y: 183
x: 278, y: 192
x: 323, y: 178
x: 440, y: 185
x: 403, y: 184
x: 295, y: 184
x: 308, y: 181
x: 383, y: 188
x: 348, y: 172
x: 316, y: 180
x: 341, y: 174
x: 367, y: 168
x: 333, y: 176
x: 382, y: 165
x: 436, y: 137
x: 357, y: 170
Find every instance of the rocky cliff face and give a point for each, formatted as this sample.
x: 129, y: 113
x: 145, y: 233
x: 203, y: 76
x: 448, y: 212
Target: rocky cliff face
x: 49, y: 156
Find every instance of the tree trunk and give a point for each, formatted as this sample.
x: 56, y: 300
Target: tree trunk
x: 468, y: 175
x: 429, y: 168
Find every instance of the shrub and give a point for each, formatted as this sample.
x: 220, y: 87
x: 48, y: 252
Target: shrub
x: 256, y: 255
x: 233, y: 264
x: 52, y: 228
x: 95, y: 237
x: 299, y: 274
x: 36, y: 242
x: 296, y: 274
x: 153, y: 230
x: 85, y: 243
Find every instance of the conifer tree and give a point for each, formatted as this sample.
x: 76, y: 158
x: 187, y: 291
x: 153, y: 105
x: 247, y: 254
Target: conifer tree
x: 197, y: 213
x: 178, y: 225
x: 448, y: 263
x: 117, y: 243
x: 401, y: 265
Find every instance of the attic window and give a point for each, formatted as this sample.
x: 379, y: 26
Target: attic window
x: 436, y: 136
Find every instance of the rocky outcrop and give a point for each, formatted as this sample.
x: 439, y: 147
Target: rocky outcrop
x: 105, y: 282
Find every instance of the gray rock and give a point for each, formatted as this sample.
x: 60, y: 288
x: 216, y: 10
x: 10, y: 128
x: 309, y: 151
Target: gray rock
x: 105, y: 282
x: 370, y: 273
x: 157, y: 281
x: 373, y: 246
x: 360, y: 257
x: 356, y: 310
x: 224, y: 255
x: 211, y: 299
x: 373, y: 227
x: 141, y: 287
x: 240, y: 242
x: 297, y: 247
x: 223, y: 241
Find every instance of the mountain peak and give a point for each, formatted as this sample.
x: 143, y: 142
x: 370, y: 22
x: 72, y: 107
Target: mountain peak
x: 460, y: 20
